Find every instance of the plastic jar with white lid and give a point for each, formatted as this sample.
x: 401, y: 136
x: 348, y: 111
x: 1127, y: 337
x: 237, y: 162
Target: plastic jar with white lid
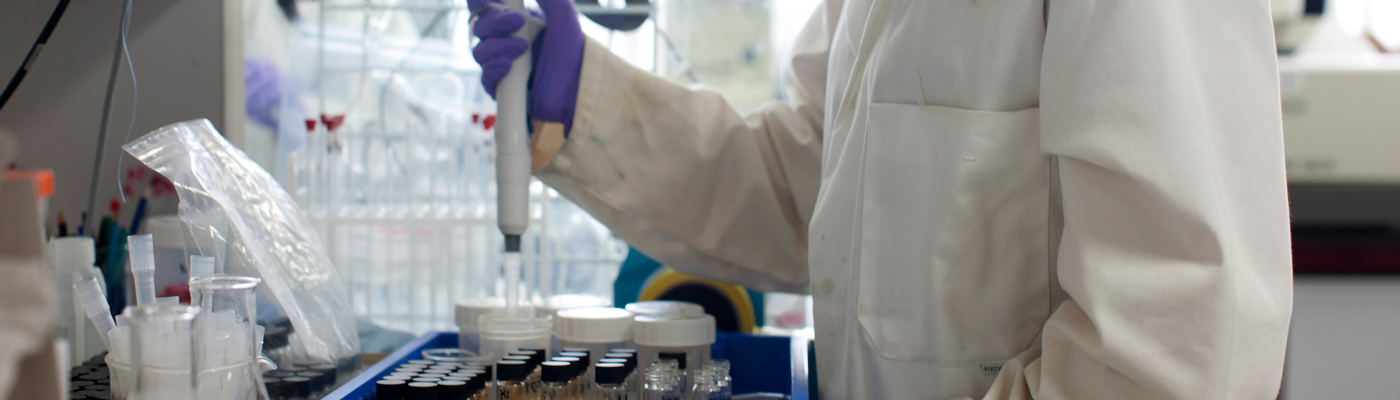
x: 663, y: 334
x: 598, y: 328
x: 468, y: 317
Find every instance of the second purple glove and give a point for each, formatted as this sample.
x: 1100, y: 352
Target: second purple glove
x: 558, y: 54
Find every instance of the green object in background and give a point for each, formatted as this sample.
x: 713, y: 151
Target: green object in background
x: 114, y: 266
x: 638, y: 269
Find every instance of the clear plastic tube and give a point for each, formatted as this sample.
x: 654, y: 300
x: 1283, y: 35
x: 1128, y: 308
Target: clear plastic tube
x: 143, y: 267
x: 163, y: 351
x: 95, y: 305
x: 201, y: 266
x: 511, y: 263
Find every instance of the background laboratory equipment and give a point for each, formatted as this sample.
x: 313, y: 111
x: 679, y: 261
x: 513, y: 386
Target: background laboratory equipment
x: 401, y: 184
x: 734, y: 59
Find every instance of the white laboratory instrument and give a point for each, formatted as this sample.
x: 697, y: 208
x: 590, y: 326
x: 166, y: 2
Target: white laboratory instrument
x: 1340, y: 118
x: 512, y: 147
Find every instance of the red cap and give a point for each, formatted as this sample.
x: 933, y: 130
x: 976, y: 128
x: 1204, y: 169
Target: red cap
x: 42, y: 178
x: 490, y: 121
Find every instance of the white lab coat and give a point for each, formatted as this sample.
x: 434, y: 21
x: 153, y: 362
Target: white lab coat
x: 997, y: 199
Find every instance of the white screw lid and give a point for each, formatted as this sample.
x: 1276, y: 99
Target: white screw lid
x: 679, y: 309
x: 653, y: 330
x: 557, y: 302
x: 594, y: 325
x: 470, y: 311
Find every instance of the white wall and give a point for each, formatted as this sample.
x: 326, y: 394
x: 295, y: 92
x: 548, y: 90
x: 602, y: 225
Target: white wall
x: 1345, y: 340
x: 178, y: 52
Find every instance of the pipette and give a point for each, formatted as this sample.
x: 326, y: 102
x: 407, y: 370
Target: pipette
x: 143, y: 267
x: 95, y: 305
x: 513, y: 157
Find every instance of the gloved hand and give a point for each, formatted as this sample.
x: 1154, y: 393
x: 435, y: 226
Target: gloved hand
x: 558, y: 55
x: 263, y: 91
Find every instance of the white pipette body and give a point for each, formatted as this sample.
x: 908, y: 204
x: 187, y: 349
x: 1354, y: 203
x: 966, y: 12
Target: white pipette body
x: 513, y: 157
x: 512, y: 134
x: 143, y: 267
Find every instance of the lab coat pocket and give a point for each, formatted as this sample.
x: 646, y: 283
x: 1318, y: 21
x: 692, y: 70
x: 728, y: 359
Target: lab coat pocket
x: 952, y: 261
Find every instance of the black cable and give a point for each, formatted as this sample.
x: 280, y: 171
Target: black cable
x: 33, y: 52
x: 106, y: 112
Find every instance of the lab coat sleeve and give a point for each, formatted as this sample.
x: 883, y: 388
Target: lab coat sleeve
x: 680, y: 174
x: 1164, y: 120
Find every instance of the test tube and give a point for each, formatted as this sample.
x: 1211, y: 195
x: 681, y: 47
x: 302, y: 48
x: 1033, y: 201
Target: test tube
x: 163, y: 351
x: 95, y: 305
x: 201, y: 266
x: 143, y: 267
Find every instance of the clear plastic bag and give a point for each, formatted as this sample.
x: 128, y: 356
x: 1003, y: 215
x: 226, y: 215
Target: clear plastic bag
x: 235, y: 211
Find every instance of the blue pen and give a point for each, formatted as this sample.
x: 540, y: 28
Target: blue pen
x: 140, y: 213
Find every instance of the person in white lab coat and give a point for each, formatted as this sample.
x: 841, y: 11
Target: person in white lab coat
x: 1063, y: 199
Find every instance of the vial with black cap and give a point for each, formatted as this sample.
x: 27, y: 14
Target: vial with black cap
x: 421, y: 391
x: 633, y: 382
x: 510, y: 379
x: 389, y: 389
x: 453, y: 390
x: 585, y: 367
x: 555, y: 377
x: 610, y: 382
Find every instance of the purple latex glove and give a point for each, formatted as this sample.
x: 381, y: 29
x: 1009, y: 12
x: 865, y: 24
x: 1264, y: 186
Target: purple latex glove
x: 558, y: 53
x: 262, y: 91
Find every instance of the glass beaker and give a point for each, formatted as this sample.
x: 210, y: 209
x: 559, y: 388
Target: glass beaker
x: 228, y: 332
x: 163, y: 351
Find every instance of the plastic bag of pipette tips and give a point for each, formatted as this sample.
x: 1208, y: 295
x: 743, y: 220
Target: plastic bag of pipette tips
x: 234, y: 210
